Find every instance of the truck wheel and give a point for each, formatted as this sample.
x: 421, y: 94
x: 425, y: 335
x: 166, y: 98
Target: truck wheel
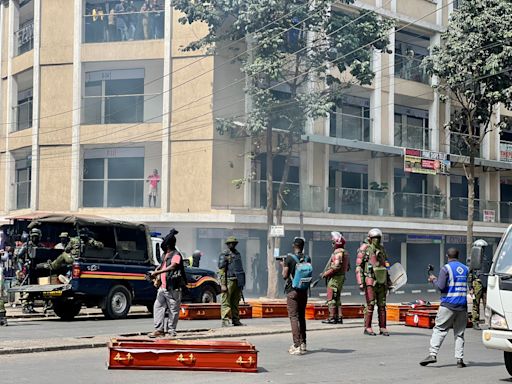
x: 508, y: 362
x: 67, y: 310
x: 118, y: 303
x: 208, y: 295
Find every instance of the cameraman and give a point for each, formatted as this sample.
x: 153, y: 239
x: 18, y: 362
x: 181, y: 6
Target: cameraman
x: 453, y: 312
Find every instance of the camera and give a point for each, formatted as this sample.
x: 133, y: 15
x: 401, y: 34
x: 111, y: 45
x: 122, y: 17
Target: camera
x: 430, y: 270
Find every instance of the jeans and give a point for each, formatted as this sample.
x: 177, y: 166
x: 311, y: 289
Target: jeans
x: 170, y: 300
x: 296, y: 302
x: 446, y: 319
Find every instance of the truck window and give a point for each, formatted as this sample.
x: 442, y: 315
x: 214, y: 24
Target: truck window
x: 131, y: 244
x: 105, y: 234
x: 504, y: 260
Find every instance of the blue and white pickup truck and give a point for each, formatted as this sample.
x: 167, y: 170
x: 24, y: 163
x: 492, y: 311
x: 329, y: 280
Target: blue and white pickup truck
x: 112, y: 278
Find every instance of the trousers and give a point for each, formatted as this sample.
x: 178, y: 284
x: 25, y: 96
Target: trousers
x: 230, y: 302
x: 167, y: 300
x: 296, y: 301
x: 446, y: 319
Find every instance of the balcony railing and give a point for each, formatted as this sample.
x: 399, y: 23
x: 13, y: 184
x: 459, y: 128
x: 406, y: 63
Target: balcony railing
x: 22, y: 114
x: 506, y: 212
x: 358, y: 201
x: 122, y: 109
x: 124, y: 26
x: 483, y: 210
x: 24, y: 38
x: 411, y: 136
x: 350, y: 127
x: 419, y: 205
x: 459, y: 145
x: 311, y: 197
x: 409, y: 68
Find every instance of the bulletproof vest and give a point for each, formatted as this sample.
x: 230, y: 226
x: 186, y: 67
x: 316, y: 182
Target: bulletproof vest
x: 340, y: 252
x: 232, y: 262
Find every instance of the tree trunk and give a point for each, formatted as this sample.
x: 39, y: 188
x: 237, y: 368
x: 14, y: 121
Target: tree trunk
x: 471, y: 202
x: 271, y: 263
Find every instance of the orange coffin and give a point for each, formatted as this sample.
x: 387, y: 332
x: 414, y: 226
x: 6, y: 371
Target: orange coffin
x: 200, y: 355
x: 422, y: 318
x: 353, y: 311
x: 398, y: 312
x: 210, y: 311
x: 317, y: 311
x: 264, y: 309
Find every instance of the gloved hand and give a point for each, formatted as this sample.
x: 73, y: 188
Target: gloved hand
x: 223, y: 288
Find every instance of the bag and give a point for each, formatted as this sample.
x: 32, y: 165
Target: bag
x: 381, y: 275
x: 303, y: 273
x: 177, y: 279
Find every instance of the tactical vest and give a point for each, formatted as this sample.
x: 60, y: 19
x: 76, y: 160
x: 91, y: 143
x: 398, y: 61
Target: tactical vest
x: 375, y: 264
x: 344, y: 261
x: 234, y: 267
x: 457, y: 284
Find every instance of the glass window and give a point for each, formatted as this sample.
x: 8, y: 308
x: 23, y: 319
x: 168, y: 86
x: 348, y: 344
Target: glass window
x: 22, y: 184
x: 94, y: 168
x: 352, y: 120
x: 126, y: 168
x: 131, y: 244
x: 504, y: 260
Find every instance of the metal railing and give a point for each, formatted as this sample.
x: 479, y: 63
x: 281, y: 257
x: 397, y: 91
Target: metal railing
x: 354, y: 201
x: 291, y: 195
x: 459, y: 145
x: 122, y: 109
x: 124, y: 26
x: 24, y: 38
x: 409, y: 68
x: 411, y: 136
x: 419, y: 205
x: 22, y: 114
x: 351, y: 127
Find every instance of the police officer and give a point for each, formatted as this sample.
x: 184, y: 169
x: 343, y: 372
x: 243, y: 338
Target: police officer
x: 373, y: 279
x: 232, y: 278
x: 195, y: 259
x: 334, y: 273
x: 64, y: 241
x: 477, y: 281
x: 24, y: 259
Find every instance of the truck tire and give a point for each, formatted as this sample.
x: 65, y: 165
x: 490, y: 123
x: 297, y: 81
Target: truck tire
x: 67, y: 310
x: 508, y: 362
x: 208, y: 295
x: 118, y: 303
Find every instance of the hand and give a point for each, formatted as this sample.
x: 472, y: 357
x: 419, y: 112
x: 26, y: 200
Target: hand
x: 431, y: 278
x: 281, y: 263
x: 154, y: 274
x: 361, y: 287
x: 321, y: 275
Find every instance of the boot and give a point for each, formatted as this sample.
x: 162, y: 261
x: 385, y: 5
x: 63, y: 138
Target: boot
x: 332, y: 316
x: 382, y: 322
x: 340, y: 315
x: 3, y: 319
x: 428, y: 360
x: 460, y: 363
x: 368, y: 323
x: 225, y: 323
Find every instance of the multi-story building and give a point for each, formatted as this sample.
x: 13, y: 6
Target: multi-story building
x: 95, y: 98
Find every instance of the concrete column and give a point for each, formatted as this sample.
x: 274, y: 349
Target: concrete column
x: 439, y: 13
x: 403, y: 255
x: 376, y: 101
x: 34, y: 184
x: 434, y: 123
x: 391, y: 91
x: 5, y: 116
x: 76, y: 171
x: 167, y: 110
x: 248, y: 161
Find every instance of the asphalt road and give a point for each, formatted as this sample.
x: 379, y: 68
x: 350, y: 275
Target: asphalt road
x: 335, y: 356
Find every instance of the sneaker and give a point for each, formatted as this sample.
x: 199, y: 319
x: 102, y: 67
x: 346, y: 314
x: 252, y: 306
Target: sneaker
x: 330, y: 321
x: 303, y: 348
x: 428, y: 360
x: 225, y: 323
x: 156, y: 333
x: 460, y: 363
x: 476, y: 326
x: 293, y: 350
x: 63, y: 279
x: 172, y: 333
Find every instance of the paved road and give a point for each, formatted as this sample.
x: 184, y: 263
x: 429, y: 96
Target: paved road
x: 335, y: 356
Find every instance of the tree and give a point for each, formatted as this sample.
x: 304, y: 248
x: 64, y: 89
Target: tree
x: 473, y: 68
x: 296, y: 52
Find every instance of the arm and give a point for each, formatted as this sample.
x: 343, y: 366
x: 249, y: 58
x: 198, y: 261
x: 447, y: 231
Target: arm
x: 440, y: 283
x: 285, y: 264
x: 359, y: 266
x: 334, y: 265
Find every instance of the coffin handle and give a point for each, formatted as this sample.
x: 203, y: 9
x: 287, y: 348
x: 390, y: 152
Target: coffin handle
x: 184, y: 360
x: 250, y: 362
x: 128, y: 357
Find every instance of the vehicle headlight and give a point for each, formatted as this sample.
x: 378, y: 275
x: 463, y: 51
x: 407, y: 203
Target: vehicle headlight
x: 498, y: 322
x: 487, y: 314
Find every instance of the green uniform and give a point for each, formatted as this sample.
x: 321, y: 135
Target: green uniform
x: 230, y: 301
x: 232, y: 277
x: 72, y: 252
x: 336, y: 284
x: 479, y: 292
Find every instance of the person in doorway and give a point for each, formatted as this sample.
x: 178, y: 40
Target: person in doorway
x: 153, y: 181
x: 373, y: 279
x: 232, y: 278
x: 453, y: 312
x: 334, y: 273
x: 173, y: 279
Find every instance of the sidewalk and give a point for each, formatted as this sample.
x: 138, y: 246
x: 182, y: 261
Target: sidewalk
x: 40, y: 345
x: 16, y: 313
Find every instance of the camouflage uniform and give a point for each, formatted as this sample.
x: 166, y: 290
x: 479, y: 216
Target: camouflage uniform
x: 72, y: 252
x: 480, y: 294
x: 23, y: 258
x: 335, y: 274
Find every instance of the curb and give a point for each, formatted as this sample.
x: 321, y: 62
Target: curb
x: 101, y: 344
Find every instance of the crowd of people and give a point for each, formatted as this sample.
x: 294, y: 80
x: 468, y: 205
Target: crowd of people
x: 124, y: 20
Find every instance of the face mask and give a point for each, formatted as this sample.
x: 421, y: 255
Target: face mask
x: 376, y: 241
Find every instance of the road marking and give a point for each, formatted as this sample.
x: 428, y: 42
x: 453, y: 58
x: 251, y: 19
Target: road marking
x: 346, y: 294
x: 416, y: 291
x: 322, y: 295
x: 431, y: 291
x: 361, y: 293
x: 400, y: 292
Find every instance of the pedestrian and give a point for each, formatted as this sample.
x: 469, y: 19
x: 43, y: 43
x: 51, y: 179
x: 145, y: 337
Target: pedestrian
x: 453, y: 312
x: 232, y: 282
x: 294, y: 269
x: 121, y: 20
x: 477, y: 282
x: 334, y: 273
x: 153, y: 181
x: 173, y: 279
x: 373, y: 279
x: 133, y: 19
x: 157, y: 20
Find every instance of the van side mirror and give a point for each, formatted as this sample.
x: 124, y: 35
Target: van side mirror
x: 475, y: 258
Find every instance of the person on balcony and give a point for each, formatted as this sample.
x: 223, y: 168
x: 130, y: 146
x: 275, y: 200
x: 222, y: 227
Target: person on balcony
x: 144, y: 18
x: 121, y: 20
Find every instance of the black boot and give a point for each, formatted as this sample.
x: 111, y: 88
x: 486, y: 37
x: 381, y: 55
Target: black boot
x: 332, y: 317
x: 428, y: 360
x: 460, y: 363
x: 340, y: 315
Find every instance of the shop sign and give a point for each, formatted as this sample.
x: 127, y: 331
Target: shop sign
x: 489, y: 216
x: 506, y: 152
x: 426, y: 162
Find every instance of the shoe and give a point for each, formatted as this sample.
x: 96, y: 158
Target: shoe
x: 369, y: 332
x: 330, y: 321
x: 43, y: 266
x: 460, y: 363
x: 428, y: 360
x: 172, y: 334
x: 225, y: 323
x: 476, y: 326
x: 238, y: 324
x: 63, y: 279
x: 384, y: 333
x: 340, y: 320
x: 293, y: 350
x: 303, y: 348
x: 156, y: 333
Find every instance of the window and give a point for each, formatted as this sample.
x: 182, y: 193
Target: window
x: 113, y: 177
x: 411, y: 128
x: 410, y: 50
x: 351, y: 120
x: 24, y: 35
x: 22, y: 183
x: 131, y: 244
x: 23, y: 110
x: 117, y: 97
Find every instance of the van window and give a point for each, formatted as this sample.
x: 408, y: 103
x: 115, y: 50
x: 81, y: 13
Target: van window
x: 504, y: 260
x: 104, y: 234
x: 131, y: 244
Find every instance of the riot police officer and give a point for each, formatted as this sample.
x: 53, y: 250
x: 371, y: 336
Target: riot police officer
x: 477, y: 281
x: 232, y: 278
x: 373, y: 279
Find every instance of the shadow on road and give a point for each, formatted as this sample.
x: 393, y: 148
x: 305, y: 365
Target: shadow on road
x: 409, y: 334
x: 331, y: 350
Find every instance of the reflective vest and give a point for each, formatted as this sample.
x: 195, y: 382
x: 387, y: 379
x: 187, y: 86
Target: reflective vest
x: 457, y: 284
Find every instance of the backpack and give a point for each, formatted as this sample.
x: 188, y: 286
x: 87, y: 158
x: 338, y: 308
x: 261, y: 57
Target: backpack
x: 303, y: 273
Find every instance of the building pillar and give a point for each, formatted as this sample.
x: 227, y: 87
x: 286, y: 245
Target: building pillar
x: 391, y: 92
x: 376, y: 101
x: 434, y: 121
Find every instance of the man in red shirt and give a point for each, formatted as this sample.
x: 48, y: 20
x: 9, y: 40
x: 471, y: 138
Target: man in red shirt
x: 173, y: 278
x: 153, y: 181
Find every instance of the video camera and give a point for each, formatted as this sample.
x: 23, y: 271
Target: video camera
x: 430, y: 270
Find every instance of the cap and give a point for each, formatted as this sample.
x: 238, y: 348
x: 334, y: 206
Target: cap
x: 231, y: 240
x: 64, y: 234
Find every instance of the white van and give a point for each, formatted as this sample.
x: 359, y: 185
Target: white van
x: 498, y: 310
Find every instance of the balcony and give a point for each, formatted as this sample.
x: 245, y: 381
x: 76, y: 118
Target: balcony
x: 506, y: 212
x: 459, y: 144
x: 22, y: 114
x: 311, y: 199
x: 124, y: 26
x: 350, y: 127
x: 410, y: 136
x: 354, y: 201
x: 409, y: 68
x: 24, y: 38
x: 484, y: 210
x: 419, y: 205
x: 122, y: 109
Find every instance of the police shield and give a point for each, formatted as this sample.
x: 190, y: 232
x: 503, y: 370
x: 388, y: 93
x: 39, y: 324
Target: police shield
x: 398, y: 276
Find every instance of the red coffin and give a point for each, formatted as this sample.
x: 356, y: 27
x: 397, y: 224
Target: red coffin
x: 317, y: 311
x: 270, y: 309
x: 353, y: 311
x: 210, y: 311
x: 398, y: 312
x: 199, y: 355
x: 425, y: 318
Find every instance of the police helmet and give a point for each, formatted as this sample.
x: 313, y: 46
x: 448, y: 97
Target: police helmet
x: 231, y: 240
x: 338, y: 239
x: 374, y: 232
x: 36, y: 232
x: 197, y: 253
